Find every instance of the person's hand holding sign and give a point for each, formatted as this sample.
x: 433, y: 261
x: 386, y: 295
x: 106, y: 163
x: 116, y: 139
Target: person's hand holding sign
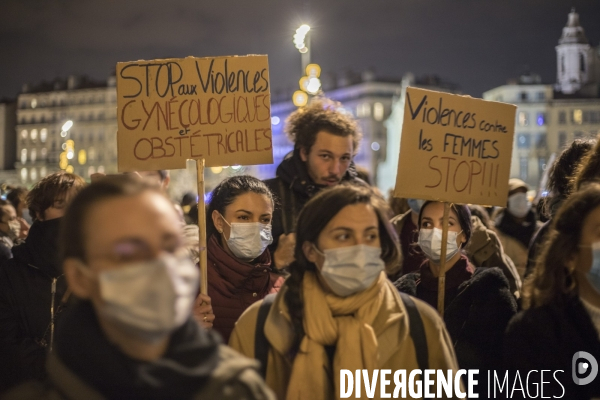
x: 203, y: 311
x: 284, y: 255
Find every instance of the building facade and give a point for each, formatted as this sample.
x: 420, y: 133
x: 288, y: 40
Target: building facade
x: 89, y: 146
x: 549, y: 117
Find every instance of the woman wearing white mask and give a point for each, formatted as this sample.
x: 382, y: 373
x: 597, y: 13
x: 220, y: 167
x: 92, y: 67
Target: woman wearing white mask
x: 517, y: 224
x: 239, y: 263
x: 562, y: 303
x: 478, y: 302
x: 132, y: 335
x: 338, y: 310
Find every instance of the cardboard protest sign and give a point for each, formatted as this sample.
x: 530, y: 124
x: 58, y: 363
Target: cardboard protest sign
x: 217, y: 109
x: 455, y: 148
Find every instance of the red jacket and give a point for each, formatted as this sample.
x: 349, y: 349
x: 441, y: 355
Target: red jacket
x: 233, y: 285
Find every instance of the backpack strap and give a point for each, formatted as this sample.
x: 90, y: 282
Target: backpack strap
x: 261, y: 344
x: 417, y: 331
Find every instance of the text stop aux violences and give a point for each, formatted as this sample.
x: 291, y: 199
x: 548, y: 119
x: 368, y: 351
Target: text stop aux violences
x: 229, y: 99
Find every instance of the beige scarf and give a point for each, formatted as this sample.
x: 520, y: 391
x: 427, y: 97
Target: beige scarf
x: 347, y: 323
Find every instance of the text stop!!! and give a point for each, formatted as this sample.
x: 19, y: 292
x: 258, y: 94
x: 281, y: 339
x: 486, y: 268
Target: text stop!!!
x: 455, y: 148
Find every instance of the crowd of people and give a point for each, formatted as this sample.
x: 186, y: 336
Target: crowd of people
x: 309, y: 273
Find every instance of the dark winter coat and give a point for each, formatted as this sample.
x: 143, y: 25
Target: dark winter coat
x: 292, y: 188
x: 535, y: 247
x: 233, y: 285
x: 85, y: 365
x: 26, y: 283
x: 547, y: 338
x: 475, y: 317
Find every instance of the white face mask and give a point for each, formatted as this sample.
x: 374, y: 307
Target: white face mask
x: 349, y: 270
x: 519, y: 205
x: 430, y: 241
x: 15, y: 229
x: 149, y: 299
x: 248, y: 240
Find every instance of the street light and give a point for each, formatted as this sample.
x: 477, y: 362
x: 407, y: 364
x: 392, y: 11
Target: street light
x: 302, y: 43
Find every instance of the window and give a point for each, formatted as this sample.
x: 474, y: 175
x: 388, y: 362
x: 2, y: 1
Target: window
x: 523, y: 141
x: 562, y: 64
x: 577, y: 117
x: 523, y: 168
x: 43, y: 135
x: 33, y: 103
x: 541, y: 96
x: 541, y: 166
x: 363, y: 110
x: 43, y: 172
x: 33, y: 174
x: 562, y: 140
x: 23, y: 156
x: 378, y: 111
x: 540, y: 141
x: 23, y: 174
x: 541, y: 119
x: 33, y: 135
x: 33, y: 155
x: 24, y: 134
x: 91, y: 171
x: 43, y: 153
x: 562, y: 117
x: 523, y: 118
x: 523, y: 96
x: 581, y: 62
x: 101, y: 169
x: 91, y: 154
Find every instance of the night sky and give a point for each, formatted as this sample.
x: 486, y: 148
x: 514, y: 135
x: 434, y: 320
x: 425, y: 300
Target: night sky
x: 477, y: 44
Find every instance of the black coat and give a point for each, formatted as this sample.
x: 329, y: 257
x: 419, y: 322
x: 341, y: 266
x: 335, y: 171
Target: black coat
x: 25, y: 300
x: 547, y: 338
x: 476, y: 318
x: 292, y: 188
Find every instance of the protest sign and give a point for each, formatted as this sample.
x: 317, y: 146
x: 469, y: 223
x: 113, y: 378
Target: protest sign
x: 214, y: 110
x: 455, y: 148
x: 172, y: 110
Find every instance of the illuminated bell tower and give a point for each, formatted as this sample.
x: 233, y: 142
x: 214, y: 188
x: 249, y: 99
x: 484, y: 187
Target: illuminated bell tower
x: 573, y: 57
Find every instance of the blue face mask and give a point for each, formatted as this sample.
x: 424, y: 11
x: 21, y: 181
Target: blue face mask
x: 415, y: 204
x: 593, y: 274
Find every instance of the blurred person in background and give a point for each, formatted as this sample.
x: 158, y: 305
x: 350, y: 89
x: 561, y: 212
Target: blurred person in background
x: 239, y: 262
x: 517, y: 224
x: 188, y: 202
x: 561, y: 300
x: 326, y: 139
x: 10, y: 228
x: 483, y: 249
x: 32, y: 282
x: 338, y: 310
x: 18, y: 199
x: 559, y: 187
x: 478, y: 301
x: 132, y: 334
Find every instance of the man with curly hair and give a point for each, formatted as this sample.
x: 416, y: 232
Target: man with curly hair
x: 326, y: 139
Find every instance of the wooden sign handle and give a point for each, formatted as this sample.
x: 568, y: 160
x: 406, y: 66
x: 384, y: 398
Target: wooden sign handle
x: 442, y: 274
x: 202, y: 227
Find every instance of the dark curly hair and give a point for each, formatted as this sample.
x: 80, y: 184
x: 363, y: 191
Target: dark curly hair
x: 321, y: 114
x: 50, y: 189
x: 313, y: 218
x: 226, y: 192
x: 562, y: 172
x: 551, y: 278
x: 588, y: 170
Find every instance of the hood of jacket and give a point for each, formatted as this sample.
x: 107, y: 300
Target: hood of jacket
x: 184, y: 369
x: 294, y: 174
x: 40, y: 249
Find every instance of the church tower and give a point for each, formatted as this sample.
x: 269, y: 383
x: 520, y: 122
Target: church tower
x: 574, y: 57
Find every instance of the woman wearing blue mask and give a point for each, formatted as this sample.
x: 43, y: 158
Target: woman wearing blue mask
x: 338, y: 310
x: 239, y: 263
x: 562, y: 303
x: 478, y: 302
